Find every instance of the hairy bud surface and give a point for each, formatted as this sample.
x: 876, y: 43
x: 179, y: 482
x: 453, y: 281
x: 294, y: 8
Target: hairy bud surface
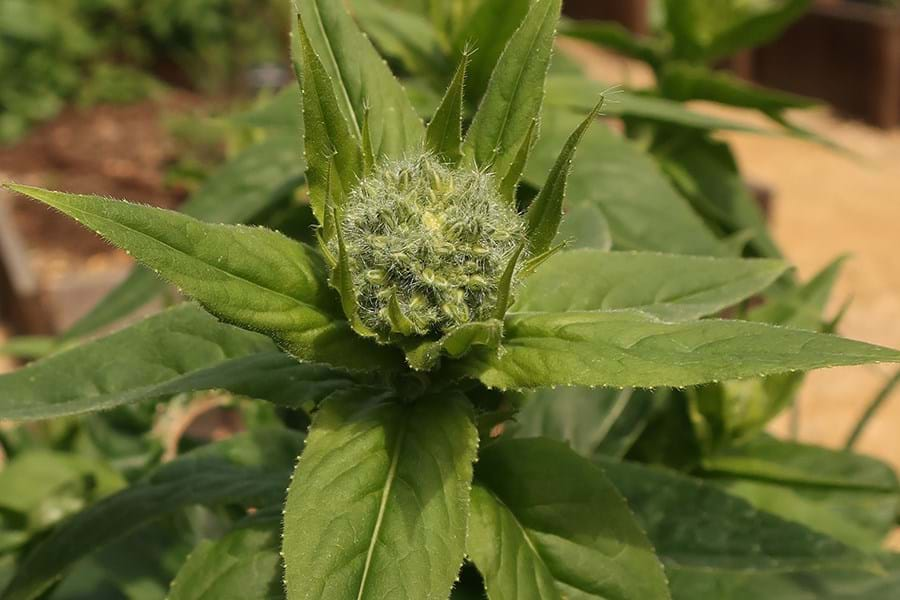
x: 429, y: 240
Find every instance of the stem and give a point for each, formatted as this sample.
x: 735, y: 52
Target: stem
x: 871, y: 410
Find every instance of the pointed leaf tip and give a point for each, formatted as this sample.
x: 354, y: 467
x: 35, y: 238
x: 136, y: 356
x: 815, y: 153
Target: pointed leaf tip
x: 515, y: 92
x: 444, y: 133
x: 546, y: 211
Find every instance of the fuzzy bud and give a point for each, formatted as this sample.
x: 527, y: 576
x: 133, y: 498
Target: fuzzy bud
x: 435, y: 240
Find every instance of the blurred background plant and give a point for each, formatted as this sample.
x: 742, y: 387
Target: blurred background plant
x: 94, y: 51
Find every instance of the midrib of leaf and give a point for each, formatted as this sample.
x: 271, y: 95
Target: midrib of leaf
x: 525, y: 536
x: 382, y: 508
x: 320, y: 25
x: 509, y: 105
x: 220, y: 270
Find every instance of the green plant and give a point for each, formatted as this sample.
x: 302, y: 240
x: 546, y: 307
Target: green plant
x: 387, y: 499
x: 92, y: 51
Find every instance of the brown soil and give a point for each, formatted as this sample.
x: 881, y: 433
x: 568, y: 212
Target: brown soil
x: 115, y: 151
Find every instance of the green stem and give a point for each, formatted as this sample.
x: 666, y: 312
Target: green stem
x: 871, y: 410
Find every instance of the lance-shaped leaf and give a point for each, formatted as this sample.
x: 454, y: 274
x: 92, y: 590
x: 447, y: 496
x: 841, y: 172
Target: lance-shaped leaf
x: 615, y: 178
x: 334, y: 155
x: 850, y: 497
x: 687, y: 82
x: 249, y: 276
x: 179, y: 351
x: 253, y: 182
x: 244, y: 563
x: 515, y: 93
x: 579, y: 94
x: 597, y: 280
x: 546, y: 524
x: 545, y: 212
x: 379, y: 500
x: 718, y: 535
x: 510, y: 183
x: 614, y: 36
x: 444, y: 133
x: 360, y: 77
x: 630, y: 348
x: 249, y: 470
x: 488, y: 30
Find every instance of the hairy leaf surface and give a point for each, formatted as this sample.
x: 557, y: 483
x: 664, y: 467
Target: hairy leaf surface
x: 515, y: 93
x: 244, y: 187
x: 252, y: 277
x: 137, y: 363
x: 379, y: 501
x: 547, y: 525
x: 596, y: 280
x: 629, y: 348
x: 361, y: 78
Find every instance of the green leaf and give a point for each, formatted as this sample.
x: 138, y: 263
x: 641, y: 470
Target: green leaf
x: 850, y: 497
x: 547, y: 525
x: 405, y: 36
x: 577, y: 93
x: 629, y: 348
x: 688, y: 82
x: 488, y: 31
x: 736, y: 411
x: 704, y: 31
x: 335, y: 156
x: 180, y: 351
x: 247, y: 470
x: 343, y: 282
x: 29, y: 347
x: 139, y: 566
x: 545, y: 213
x: 871, y: 410
x: 614, y: 36
x: 510, y: 183
x: 396, y: 527
x: 240, y: 190
x: 515, y: 93
x: 42, y: 487
x: 593, y: 422
x: 444, y: 133
x: 597, y: 280
x: 243, y: 564
x: 360, y: 77
x: 252, y: 277
x: 812, y: 584
x: 423, y: 354
x: 801, y: 306
x: 720, y: 538
x: 138, y: 363
x: 614, y: 178
x: 706, y: 173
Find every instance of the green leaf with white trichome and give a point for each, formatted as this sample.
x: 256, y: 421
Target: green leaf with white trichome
x: 379, y: 501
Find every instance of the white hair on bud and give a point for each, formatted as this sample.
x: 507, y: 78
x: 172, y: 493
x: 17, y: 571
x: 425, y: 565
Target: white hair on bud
x: 433, y: 239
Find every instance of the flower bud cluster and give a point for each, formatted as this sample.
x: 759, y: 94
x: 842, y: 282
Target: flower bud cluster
x: 432, y: 239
